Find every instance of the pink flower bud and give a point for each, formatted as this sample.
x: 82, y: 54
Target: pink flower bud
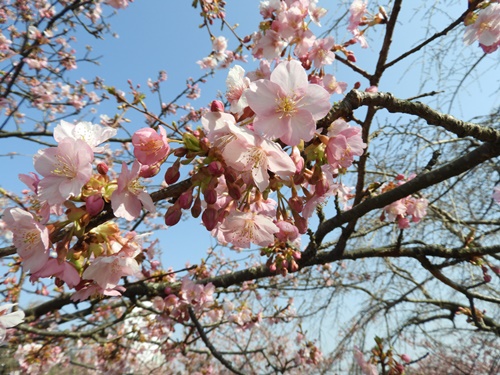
x: 234, y: 191
x: 186, y: 199
x: 209, y: 218
x: 296, y: 204
x: 487, y: 277
x: 210, y: 196
x: 216, y: 168
x: 406, y: 358
x: 149, y: 170
x: 172, y: 174
x: 216, y: 106
x: 196, y: 209
x: 102, y: 168
x: 94, y: 204
x: 173, y: 215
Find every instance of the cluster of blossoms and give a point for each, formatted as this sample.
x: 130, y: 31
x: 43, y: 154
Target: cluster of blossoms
x: 483, y: 26
x: 406, y: 210
x: 102, y: 256
x: 260, y: 169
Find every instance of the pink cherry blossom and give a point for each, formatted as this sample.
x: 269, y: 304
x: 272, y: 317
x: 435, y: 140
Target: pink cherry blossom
x: 268, y: 46
x: 129, y: 197
x: 243, y: 228
x: 486, y: 28
x: 218, y: 127
x: 249, y: 152
x: 357, y: 12
x: 345, y: 143
x: 287, y: 106
x: 237, y: 83
x: 62, y: 270
x: 30, y: 238
x: 65, y: 168
x: 321, y: 53
x: 262, y: 72
x: 150, y: 147
x: 332, y: 85
x: 107, y: 271
x: 93, y: 134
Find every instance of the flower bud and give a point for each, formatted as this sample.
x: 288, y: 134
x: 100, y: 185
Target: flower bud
x: 216, y: 106
x: 172, y: 174
x: 209, y: 218
x: 102, y: 168
x: 185, y: 199
x: 149, y: 170
x: 94, y: 204
x: 196, y: 209
x: 216, y: 168
x: 234, y: 191
x: 210, y: 196
x: 173, y: 215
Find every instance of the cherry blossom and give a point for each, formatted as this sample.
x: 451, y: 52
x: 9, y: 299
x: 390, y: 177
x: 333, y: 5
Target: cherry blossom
x: 485, y: 29
x: 62, y: 270
x: 345, y: 142
x: 65, y: 168
x: 150, y: 147
x: 92, y: 134
x: 30, y: 238
x: 107, y: 271
x: 243, y: 228
x: 249, y: 152
x: 321, y: 53
x: 287, y: 106
x: 237, y: 83
x: 129, y: 196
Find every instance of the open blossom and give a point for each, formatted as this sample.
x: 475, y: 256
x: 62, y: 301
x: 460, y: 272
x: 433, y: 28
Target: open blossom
x: 64, y: 271
x: 236, y: 83
x: 268, y: 46
x: 249, y: 152
x: 345, y: 143
x: 30, y: 238
x: 129, y: 197
x: 149, y: 146
x: 107, y: 271
x: 92, y: 134
x: 287, y: 106
x: 321, y: 53
x: 485, y: 29
x: 9, y: 320
x: 65, y: 168
x: 243, y: 228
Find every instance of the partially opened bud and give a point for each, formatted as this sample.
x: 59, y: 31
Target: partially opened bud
x: 216, y: 106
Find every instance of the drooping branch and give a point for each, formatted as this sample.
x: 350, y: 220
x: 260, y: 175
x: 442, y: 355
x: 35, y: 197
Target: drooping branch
x: 356, y: 99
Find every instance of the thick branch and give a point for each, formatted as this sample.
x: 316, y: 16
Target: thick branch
x: 355, y: 99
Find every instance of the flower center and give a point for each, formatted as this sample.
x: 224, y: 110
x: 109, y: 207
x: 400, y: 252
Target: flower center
x: 63, y: 167
x: 286, y: 107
